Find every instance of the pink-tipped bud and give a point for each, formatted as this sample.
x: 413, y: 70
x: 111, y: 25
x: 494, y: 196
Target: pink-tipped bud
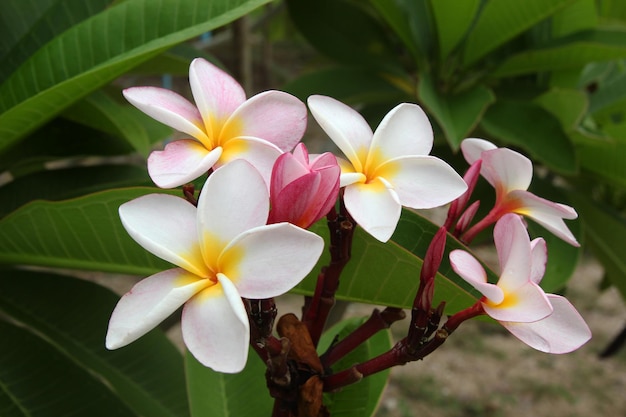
x: 303, y: 191
x: 466, y: 218
x: 432, y: 260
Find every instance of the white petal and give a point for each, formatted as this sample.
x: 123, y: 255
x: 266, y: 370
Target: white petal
x: 233, y: 200
x: 165, y: 226
x: 506, y: 170
x: 270, y: 260
x: 422, y: 182
x: 539, y: 257
x: 374, y: 207
x: 527, y: 304
x: 148, y: 303
x: 405, y: 130
x: 513, y: 247
x: 345, y: 126
x: 473, y: 272
x: 258, y: 152
x: 181, y: 161
x: 473, y: 148
x: 168, y: 108
x: 216, y: 329
x: 561, y: 332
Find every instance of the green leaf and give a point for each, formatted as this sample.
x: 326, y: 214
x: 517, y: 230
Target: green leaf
x: 453, y: 19
x: 72, y: 316
x: 99, y: 49
x: 396, y: 16
x: 609, y: 93
x: 223, y: 395
x: 580, y: 15
x: 360, y: 399
x: 605, y: 159
x: 535, y: 130
x: 567, y: 105
x: 38, y: 381
x: 83, y: 233
x: 457, y: 114
x: 502, y: 20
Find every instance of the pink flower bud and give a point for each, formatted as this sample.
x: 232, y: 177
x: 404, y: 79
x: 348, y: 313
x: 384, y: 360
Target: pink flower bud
x: 302, y: 192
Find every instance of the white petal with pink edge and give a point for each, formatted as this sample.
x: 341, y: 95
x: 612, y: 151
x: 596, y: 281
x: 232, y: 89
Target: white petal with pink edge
x: 215, y: 327
x: 527, y: 304
x: 539, y: 259
x: 180, y: 162
x: 270, y: 260
x: 513, y: 247
x: 258, y: 152
x: 405, y: 130
x: 170, y: 109
x: 148, y: 303
x: 473, y: 148
x: 374, y: 207
x: 561, y: 332
x: 345, y: 126
x: 473, y: 272
x: 216, y: 93
x: 165, y: 226
x: 506, y: 170
x: 274, y: 116
x: 422, y: 182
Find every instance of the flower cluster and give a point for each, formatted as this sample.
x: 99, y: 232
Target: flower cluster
x: 245, y: 237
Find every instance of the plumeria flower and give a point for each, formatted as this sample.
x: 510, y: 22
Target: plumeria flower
x: 303, y: 191
x: 389, y: 168
x: 223, y: 250
x: 223, y: 124
x: 510, y: 173
x: 546, y: 322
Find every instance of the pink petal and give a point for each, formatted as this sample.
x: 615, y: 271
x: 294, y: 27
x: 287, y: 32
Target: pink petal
x: 561, y: 332
x: 345, y: 126
x: 539, y: 259
x: 274, y: 116
x: 422, y: 182
x: 404, y: 131
x: 473, y: 148
x: 298, y: 202
x: 181, y: 161
x: 473, y: 272
x: 513, y: 247
x: 258, y: 152
x: 287, y: 169
x: 175, y: 239
x: 527, y: 304
x: 506, y: 170
x: 270, y: 260
x: 374, y: 207
x: 233, y: 200
x: 148, y: 303
x: 215, y: 327
x: 216, y: 93
x: 548, y: 214
x: 170, y: 109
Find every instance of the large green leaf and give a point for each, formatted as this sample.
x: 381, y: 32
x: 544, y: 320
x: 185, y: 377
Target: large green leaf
x: 97, y: 50
x: 457, y: 114
x: 502, y: 20
x: 578, y: 16
x: 453, y: 19
x: 396, y: 16
x: 216, y: 394
x: 532, y: 128
x: 360, y: 399
x: 567, y: 105
x: 38, y: 381
x: 72, y: 315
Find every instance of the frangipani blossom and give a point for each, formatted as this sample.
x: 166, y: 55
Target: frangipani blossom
x: 303, y: 191
x: 546, y: 322
x: 510, y: 173
x: 223, y: 251
x: 388, y: 168
x: 223, y: 124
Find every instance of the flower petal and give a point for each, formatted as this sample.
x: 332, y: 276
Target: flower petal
x: 547, y: 213
x: 513, y: 247
x: 473, y: 148
x: 539, y: 259
x: 405, y: 130
x: 287, y: 169
x: 274, y: 116
x: 527, y: 304
x: 473, y: 272
x: 215, y: 327
x: 299, y: 202
x: 170, y: 109
x: 148, y: 303
x: 506, y: 170
x: 258, y: 152
x: 233, y: 200
x: 215, y: 92
x: 374, y: 207
x: 270, y: 260
x: 345, y: 126
x: 561, y: 332
x: 422, y: 182
x: 180, y: 162
x: 175, y: 239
